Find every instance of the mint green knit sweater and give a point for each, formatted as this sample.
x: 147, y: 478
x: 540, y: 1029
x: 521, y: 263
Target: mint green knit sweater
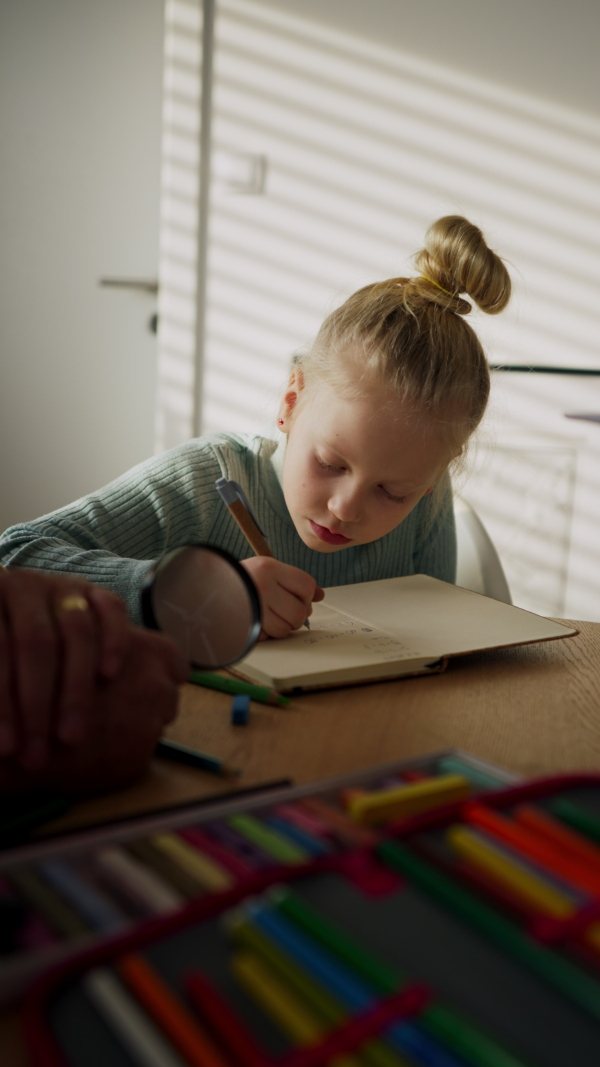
x: 113, y: 535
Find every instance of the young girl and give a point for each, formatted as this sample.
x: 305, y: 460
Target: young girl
x: 358, y: 488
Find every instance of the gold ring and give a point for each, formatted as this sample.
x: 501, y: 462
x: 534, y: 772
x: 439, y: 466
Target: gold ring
x: 75, y: 602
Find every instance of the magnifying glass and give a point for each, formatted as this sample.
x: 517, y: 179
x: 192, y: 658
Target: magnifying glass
x: 205, y: 601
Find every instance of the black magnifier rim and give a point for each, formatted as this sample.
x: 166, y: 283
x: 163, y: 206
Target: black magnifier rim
x: 150, y: 620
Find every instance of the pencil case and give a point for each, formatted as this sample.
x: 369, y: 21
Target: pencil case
x: 59, y: 895
x: 461, y: 935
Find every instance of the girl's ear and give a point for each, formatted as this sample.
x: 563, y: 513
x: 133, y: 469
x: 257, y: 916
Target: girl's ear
x: 289, y: 400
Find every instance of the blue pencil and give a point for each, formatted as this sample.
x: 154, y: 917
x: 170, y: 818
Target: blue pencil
x: 405, y: 1037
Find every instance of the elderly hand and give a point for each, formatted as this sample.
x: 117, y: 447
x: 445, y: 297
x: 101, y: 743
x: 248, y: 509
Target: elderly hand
x: 63, y: 644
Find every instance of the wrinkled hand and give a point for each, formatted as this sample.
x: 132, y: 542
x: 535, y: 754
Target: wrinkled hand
x: 60, y: 639
x: 124, y: 718
x: 286, y: 594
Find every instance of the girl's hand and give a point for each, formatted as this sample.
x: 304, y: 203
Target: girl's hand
x: 286, y: 594
x: 58, y: 635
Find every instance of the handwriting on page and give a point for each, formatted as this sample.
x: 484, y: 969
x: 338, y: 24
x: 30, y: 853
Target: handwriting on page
x: 327, y: 625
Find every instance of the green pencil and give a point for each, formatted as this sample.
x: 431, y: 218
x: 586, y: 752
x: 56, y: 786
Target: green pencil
x: 236, y: 685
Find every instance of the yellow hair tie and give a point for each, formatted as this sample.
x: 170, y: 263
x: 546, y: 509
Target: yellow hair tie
x: 438, y: 286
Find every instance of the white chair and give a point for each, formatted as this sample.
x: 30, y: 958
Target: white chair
x: 478, y: 565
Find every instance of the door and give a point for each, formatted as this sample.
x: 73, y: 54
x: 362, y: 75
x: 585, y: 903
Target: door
x: 80, y: 129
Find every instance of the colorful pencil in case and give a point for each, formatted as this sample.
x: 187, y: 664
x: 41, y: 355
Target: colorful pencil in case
x: 228, y: 838
x: 132, y: 1027
x: 568, y: 979
x: 327, y: 1010
x: 289, y: 1013
x: 478, y: 778
x: 311, y: 844
x: 191, y: 757
x: 209, y: 874
x: 508, y: 870
x: 227, y: 1027
x: 405, y: 1037
x: 235, y: 685
x: 445, y: 1024
x: 552, y: 831
x: 337, y: 823
x: 143, y: 887
x: 576, y: 816
x: 280, y: 848
x: 528, y: 844
x: 96, y: 910
x: 531, y: 889
x: 62, y: 918
x: 175, y: 1021
x: 166, y: 868
x: 378, y: 807
x: 297, y: 814
x: 225, y: 857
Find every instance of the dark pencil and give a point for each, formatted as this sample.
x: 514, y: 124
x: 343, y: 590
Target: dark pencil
x: 170, y: 750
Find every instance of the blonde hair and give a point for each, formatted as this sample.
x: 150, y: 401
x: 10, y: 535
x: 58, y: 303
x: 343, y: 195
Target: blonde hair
x: 409, y: 334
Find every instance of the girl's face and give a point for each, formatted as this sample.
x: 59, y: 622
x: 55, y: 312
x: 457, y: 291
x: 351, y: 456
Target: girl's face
x: 354, y: 468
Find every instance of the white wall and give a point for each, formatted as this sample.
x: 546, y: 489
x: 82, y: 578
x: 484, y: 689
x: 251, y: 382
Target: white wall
x: 374, y: 119
x: 80, y: 125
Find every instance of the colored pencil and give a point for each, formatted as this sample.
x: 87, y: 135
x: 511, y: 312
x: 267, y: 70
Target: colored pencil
x: 228, y: 838
x: 271, y: 841
x: 478, y: 778
x: 444, y: 1023
x: 560, y: 836
x: 62, y: 918
x: 531, y: 846
x: 315, y: 997
x: 191, y: 757
x: 405, y: 1037
x: 518, y: 876
x: 572, y: 982
x: 337, y: 823
x: 381, y: 806
x: 225, y: 857
x: 229, y: 1030
x: 166, y: 868
x: 210, y: 874
x: 173, y: 1018
x: 260, y: 693
x: 138, y: 882
x: 311, y: 844
x: 290, y: 1014
x: 96, y: 910
x: 138, y: 1034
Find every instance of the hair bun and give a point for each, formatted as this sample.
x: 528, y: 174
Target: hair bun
x: 455, y: 260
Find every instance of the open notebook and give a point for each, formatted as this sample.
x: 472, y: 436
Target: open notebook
x: 390, y: 628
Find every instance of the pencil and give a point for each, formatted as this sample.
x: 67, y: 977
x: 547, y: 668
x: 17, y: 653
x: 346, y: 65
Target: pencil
x: 210, y: 875
x: 226, y: 1026
x: 173, y: 1018
x: 261, y: 693
x: 574, y: 870
x: 170, y: 750
x: 290, y: 1014
x: 137, y: 1033
x: 572, y: 982
x: 235, y: 501
x: 314, y: 996
x: 442, y: 1022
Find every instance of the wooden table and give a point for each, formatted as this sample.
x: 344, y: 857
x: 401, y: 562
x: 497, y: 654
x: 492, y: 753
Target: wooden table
x: 533, y: 710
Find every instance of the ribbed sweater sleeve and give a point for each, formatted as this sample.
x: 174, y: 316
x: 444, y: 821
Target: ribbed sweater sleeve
x: 112, y: 536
